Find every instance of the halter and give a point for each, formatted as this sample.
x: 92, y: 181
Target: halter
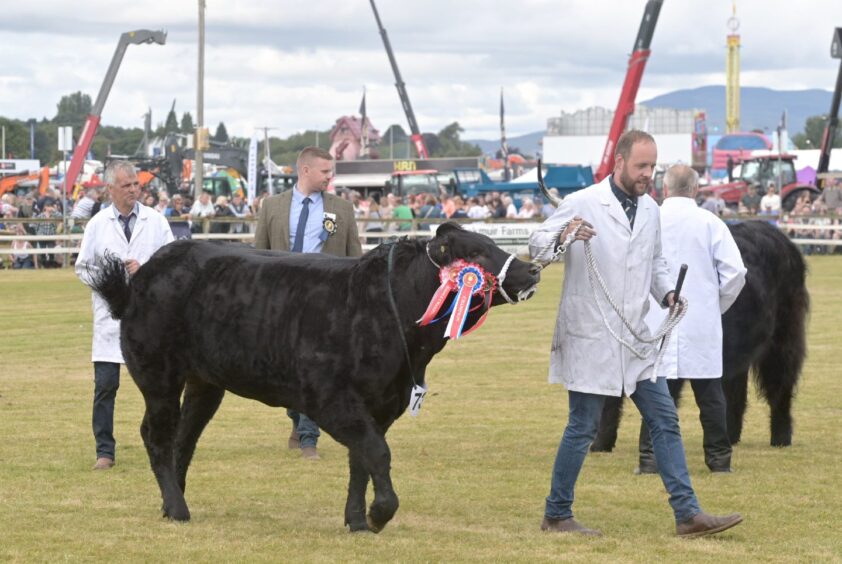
x: 500, y: 278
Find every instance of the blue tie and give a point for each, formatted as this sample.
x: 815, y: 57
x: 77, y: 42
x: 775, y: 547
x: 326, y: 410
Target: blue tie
x: 125, y: 223
x: 298, y: 247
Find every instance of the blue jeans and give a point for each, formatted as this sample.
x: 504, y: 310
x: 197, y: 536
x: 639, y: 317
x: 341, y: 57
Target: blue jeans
x: 658, y: 410
x: 308, y: 431
x: 106, y: 382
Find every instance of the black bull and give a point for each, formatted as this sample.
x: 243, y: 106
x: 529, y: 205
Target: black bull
x: 313, y: 333
x: 764, y: 331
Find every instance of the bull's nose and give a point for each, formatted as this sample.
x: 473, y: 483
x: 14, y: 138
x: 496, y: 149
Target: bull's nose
x: 535, y: 270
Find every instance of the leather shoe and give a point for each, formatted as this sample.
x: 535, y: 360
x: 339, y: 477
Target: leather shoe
x: 293, y: 442
x: 569, y: 525
x: 310, y: 453
x: 703, y: 524
x: 103, y: 463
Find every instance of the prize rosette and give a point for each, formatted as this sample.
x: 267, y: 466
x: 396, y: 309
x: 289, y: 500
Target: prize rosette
x: 467, y: 280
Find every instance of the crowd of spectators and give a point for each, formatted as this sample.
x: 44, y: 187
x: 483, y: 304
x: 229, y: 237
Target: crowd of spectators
x: 377, y: 215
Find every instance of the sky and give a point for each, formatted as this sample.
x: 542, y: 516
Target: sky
x: 295, y: 66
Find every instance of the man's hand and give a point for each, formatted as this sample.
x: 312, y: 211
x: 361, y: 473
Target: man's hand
x: 584, y: 234
x: 131, y: 265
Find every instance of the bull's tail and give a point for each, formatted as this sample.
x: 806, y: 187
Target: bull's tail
x: 110, y: 280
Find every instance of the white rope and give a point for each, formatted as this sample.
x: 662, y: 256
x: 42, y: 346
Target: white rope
x: 676, y: 313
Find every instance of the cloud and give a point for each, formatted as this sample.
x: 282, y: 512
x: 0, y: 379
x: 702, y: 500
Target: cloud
x: 274, y: 63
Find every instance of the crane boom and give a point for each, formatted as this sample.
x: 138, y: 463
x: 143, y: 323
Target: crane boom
x: 92, y: 122
x: 416, y: 137
x: 625, y: 106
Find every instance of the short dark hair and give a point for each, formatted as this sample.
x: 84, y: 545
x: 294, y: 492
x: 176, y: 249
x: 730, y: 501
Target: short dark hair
x: 629, y: 138
x: 308, y: 154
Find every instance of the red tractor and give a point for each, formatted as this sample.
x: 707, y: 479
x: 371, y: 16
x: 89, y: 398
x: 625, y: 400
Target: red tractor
x: 760, y: 171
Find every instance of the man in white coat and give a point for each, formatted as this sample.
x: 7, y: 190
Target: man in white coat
x: 133, y: 232
x: 621, y: 224
x: 716, y: 275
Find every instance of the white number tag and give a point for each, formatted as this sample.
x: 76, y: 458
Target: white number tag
x: 416, y: 398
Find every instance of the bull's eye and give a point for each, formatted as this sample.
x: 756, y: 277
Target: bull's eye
x: 475, y: 254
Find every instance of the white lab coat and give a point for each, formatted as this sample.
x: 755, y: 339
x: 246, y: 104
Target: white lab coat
x: 715, y: 276
x: 104, y: 233
x: 585, y: 357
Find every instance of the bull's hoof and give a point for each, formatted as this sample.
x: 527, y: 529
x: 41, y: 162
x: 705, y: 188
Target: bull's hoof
x: 781, y: 442
x: 176, y: 514
x: 372, y: 526
x: 358, y: 525
x: 601, y: 448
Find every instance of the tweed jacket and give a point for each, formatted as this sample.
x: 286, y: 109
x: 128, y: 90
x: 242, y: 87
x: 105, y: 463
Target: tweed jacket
x: 273, y: 225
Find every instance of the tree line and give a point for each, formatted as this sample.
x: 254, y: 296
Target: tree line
x: 73, y: 109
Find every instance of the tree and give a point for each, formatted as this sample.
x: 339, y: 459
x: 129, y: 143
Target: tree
x: 73, y: 110
x: 187, y: 125
x: 448, y: 144
x: 811, y: 138
x: 221, y: 134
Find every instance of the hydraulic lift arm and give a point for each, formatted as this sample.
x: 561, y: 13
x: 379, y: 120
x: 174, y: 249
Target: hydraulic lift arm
x: 416, y: 137
x: 92, y: 122
x: 833, y: 118
x: 625, y: 106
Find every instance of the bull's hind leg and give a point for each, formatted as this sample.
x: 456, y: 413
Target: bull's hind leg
x: 158, y: 431
x: 201, y: 400
x: 776, y: 377
x: 735, y: 387
x: 606, y: 435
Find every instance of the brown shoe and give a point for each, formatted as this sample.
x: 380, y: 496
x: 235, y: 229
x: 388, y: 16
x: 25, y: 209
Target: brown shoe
x: 569, y: 525
x: 103, y: 463
x: 703, y: 524
x: 293, y: 442
x: 310, y: 453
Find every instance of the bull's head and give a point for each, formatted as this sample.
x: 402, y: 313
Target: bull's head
x: 517, y: 279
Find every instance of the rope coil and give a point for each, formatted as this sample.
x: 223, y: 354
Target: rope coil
x: 676, y: 313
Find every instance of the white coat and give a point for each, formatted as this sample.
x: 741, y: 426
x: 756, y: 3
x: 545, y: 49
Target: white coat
x: 715, y: 277
x: 585, y: 357
x: 104, y: 233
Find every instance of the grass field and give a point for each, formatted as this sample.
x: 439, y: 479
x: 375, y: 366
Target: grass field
x: 471, y: 471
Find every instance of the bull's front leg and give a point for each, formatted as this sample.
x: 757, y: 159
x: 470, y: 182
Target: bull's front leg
x: 377, y: 459
x: 357, y: 485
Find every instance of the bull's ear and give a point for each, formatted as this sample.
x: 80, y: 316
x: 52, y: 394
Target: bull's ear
x: 448, y: 227
x: 439, y: 246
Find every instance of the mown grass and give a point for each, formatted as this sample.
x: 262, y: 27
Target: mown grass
x: 472, y: 470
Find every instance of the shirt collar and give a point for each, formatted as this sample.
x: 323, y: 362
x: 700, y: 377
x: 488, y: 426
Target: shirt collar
x: 135, y: 210
x: 298, y: 197
x: 620, y: 194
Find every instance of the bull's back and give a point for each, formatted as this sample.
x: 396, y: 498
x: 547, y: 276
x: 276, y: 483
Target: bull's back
x: 233, y: 313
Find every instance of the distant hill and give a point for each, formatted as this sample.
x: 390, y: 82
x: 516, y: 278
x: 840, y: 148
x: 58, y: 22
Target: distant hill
x: 529, y: 144
x: 760, y: 108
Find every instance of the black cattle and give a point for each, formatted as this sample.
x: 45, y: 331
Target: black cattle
x: 313, y: 333
x: 764, y: 331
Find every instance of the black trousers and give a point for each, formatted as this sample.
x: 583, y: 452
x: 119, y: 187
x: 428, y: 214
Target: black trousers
x: 711, y: 401
x: 106, y: 383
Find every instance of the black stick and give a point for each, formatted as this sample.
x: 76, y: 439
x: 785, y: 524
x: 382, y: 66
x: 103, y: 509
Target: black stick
x: 682, y: 272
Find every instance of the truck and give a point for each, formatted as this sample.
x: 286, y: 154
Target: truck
x: 454, y: 176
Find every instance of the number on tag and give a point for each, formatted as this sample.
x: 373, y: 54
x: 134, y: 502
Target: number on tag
x: 416, y: 398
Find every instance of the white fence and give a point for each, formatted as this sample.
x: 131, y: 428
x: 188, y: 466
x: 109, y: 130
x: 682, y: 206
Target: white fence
x: 511, y: 235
